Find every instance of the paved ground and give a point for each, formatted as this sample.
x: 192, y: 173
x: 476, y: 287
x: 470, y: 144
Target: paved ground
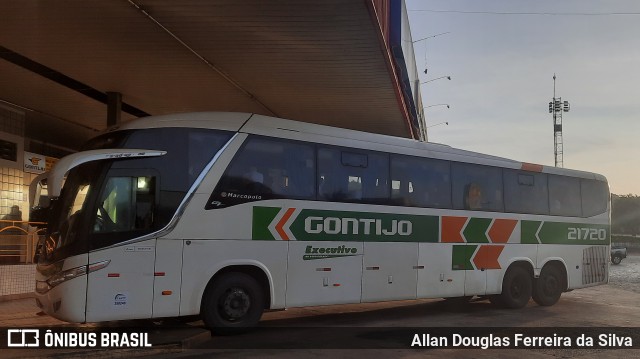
x: 380, y: 325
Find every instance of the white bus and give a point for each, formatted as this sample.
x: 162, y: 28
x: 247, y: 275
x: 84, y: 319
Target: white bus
x: 228, y: 214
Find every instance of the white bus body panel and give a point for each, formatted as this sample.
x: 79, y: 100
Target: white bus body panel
x: 475, y: 281
x: 389, y: 271
x: 124, y: 289
x: 437, y: 278
x: 323, y: 281
x: 167, y: 278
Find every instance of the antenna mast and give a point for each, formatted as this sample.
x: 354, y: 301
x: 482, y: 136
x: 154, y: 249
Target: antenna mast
x: 556, y: 108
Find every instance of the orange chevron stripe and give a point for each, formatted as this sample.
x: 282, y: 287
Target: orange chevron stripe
x: 487, y: 257
x: 501, y: 230
x: 281, y: 223
x: 451, y: 228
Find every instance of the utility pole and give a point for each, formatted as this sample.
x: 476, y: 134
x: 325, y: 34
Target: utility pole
x: 556, y: 108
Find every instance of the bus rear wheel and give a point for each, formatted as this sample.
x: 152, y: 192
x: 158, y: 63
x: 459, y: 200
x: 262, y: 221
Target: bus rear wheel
x: 232, y: 304
x: 517, y: 287
x: 548, y: 287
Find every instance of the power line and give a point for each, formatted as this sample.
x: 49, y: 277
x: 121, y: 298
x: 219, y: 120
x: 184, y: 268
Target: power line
x: 530, y: 13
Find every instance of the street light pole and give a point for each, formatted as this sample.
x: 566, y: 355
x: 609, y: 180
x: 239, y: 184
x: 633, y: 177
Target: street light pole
x: 441, y: 123
x: 425, y: 52
x: 425, y: 127
x: 428, y: 37
x: 437, y: 78
x: 440, y: 104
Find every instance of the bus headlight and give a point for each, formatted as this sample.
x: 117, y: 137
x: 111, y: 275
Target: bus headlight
x: 69, y: 274
x: 66, y: 275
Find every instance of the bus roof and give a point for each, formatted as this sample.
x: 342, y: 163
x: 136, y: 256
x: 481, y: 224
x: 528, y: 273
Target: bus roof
x: 295, y: 130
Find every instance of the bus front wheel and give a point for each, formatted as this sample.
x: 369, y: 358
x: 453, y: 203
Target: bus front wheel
x: 517, y: 287
x: 232, y: 304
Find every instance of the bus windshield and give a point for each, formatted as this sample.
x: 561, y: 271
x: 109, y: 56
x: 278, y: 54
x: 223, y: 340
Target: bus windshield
x: 68, y: 212
x: 107, y: 201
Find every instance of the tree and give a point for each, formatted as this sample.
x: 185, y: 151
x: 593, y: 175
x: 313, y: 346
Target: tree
x: 625, y: 214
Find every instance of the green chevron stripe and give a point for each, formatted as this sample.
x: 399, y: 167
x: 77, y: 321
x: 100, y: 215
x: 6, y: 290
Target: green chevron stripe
x: 461, y: 258
x: 528, y: 232
x: 262, y: 218
x: 476, y: 230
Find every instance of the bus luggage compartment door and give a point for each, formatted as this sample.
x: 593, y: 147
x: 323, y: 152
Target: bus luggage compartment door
x: 390, y: 271
x: 322, y: 273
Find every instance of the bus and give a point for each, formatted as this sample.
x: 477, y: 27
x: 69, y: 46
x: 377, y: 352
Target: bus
x: 225, y: 215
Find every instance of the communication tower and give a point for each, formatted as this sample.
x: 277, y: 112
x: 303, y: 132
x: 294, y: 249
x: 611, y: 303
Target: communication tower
x: 556, y: 108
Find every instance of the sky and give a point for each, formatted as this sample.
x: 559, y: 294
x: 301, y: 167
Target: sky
x: 502, y: 67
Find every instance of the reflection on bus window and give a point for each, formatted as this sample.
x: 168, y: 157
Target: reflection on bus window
x: 595, y: 197
x: 272, y: 169
x: 526, y: 192
x: 564, y: 195
x: 127, y: 204
x: 420, y: 182
x: 477, y: 187
x: 348, y: 176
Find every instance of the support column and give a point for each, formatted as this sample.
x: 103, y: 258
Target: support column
x: 114, y: 108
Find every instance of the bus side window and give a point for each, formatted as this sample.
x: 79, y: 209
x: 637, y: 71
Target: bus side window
x: 564, y: 196
x: 270, y: 168
x: 420, y: 182
x: 526, y: 192
x: 595, y: 197
x: 477, y: 187
x: 472, y: 197
x: 352, y: 176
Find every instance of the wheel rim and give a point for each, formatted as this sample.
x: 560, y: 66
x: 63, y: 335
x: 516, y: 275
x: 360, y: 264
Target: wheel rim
x: 235, y: 304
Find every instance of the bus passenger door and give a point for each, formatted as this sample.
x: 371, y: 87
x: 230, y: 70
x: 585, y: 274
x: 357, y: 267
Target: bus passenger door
x: 323, y: 272
x: 389, y: 271
x: 125, y: 210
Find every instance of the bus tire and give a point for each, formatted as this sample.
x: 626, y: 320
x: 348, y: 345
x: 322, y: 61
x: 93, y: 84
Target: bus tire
x: 232, y: 304
x: 517, y: 287
x: 549, y: 286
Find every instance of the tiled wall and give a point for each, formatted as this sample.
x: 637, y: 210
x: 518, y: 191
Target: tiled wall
x: 17, y: 279
x: 13, y: 191
x: 14, y: 183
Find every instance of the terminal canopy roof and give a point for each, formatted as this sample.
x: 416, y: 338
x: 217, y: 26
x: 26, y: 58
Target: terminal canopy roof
x: 324, y: 62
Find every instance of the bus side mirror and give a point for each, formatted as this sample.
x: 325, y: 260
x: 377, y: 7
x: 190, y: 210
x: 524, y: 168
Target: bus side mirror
x: 40, y: 215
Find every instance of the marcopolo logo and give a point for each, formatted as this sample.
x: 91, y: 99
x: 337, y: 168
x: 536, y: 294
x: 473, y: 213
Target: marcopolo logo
x: 312, y: 252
